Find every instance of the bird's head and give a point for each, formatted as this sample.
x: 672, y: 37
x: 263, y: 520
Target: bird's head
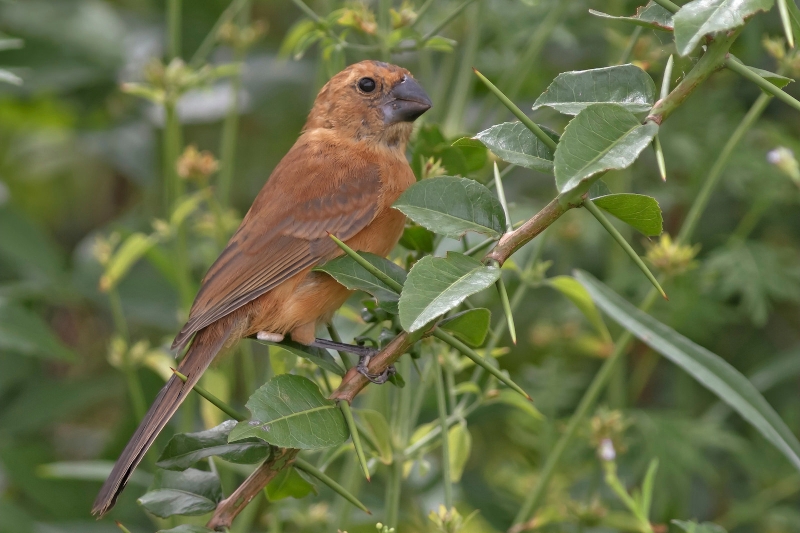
x: 370, y: 101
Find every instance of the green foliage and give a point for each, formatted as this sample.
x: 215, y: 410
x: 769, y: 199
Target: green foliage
x: 290, y: 411
x: 289, y: 483
x: 185, y: 449
x: 651, y: 16
x: 701, y: 17
x: 641, y: 212
x: 470, y: 326
x: 514, y: 143
x: 349, y: 273
x: 191, y: 492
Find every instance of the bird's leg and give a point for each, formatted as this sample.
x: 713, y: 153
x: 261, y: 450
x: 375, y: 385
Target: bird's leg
x: 364, y: 353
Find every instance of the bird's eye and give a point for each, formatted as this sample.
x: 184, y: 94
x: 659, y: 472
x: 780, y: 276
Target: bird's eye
x: 366, y: 85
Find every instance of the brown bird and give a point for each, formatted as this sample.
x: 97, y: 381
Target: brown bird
x: 341, y: 177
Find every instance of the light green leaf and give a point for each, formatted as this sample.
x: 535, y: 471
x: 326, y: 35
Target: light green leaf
x: 24, y: 332
x: 601, y: 137
x: 289, y: 411
x: 436, y: 285
x: 349, y: 273
x: 128, y: 253
x: 379, y: 433
x: 513, y: 399
x: 191, y: 492
x: 289, y: 483
x: 701, y: 17
x: 640, y: 211
x: 628, y: 86
x: 470, y: 326
x: 185, y: 449
x: 707, y: 368
x: 577, y: 294
x: 514, y: 143
x: 775, y: 79
x: 459, y: 442
x: 453, y: 206
x: 318, y: 356
x: 651, y: 16
x: 690, y: 526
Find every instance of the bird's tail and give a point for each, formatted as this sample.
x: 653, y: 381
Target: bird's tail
x: 205, y: 346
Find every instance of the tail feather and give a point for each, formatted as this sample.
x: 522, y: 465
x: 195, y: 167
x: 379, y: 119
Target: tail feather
x: 207, y: 343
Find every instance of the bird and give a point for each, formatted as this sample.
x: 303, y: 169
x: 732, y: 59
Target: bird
x: 340, y: 178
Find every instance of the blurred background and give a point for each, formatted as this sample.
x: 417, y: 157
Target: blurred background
x: 96, y: 272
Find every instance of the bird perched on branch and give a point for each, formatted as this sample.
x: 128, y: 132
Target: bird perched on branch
x: 340, y: 178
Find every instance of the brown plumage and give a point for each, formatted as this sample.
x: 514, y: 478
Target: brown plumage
x: 340, y: 177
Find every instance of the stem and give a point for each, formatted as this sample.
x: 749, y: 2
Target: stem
x: 478, y: 360
x: 369, y: 267
x: 669, y: 6
x: 531, y: 125
x: 174, y: 28
x: 393, y: 492
x: 335, y: 337
x: 739, y: 68
x: 219, y: 404
x: 626, y: 54
x: 714, y: 175
x: 310, y: 469
x: 351, y: 424
x: 441, y: 403
x: 511, y: 242
x: 230, y: 129
x: 211, y: 38
x: 501, y: 289
x: 787, y: 24
x: 131, y: 376
x: 595, y: 211
x: 462, y: 84
x: 447, y: 20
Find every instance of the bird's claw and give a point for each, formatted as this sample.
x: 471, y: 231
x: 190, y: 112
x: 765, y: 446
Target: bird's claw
x: 379, y: 379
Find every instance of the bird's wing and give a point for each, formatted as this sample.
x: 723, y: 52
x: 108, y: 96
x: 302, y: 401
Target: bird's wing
x: 309, y: 195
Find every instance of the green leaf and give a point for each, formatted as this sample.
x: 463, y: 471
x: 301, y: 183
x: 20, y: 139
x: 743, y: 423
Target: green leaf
x: 379, y: 433
x: 89, y: 471
x: 24, y: 332
x: 690, y: 526
x: 318, y: 356
x: 640, y: 211
x: 701, y: 17
x: 775, y: 79
x: 417, y: 238
x: 601, y: 137
x: 474, y: 153
x: 349, y: 273
x: 191, y: 492
x: 436, y: 285
x: 514, y: 143
x: 598, y: 189
x: 459, y: 443
x: 651, y: 16
x: 27, y: 248
x: 186, y: 528
x: 794, y: 19
x: 289, y: 411
x: 707, y: 368
x: 453, y: 206
x: 513, y: 399
x: 289, y: 483
x: 628, y: 86
x: 128, y: 253
x: 577, y: 294
x: 470, y: 326
x: 185, y: 449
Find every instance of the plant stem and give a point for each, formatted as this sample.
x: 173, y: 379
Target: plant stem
x: 393, y: 487
x: 739, y: 68
x: 511, y: 242
x: 219, y: 404
x: 462, y: 84
x: 351, y: 424
x: 174, y: 28
x: 441, y: 402
x: 669, y: 6
x: 531, y: 125
x: 447, y: 20
x: 211, y: 38
x: 230, y: 130
x: 595, y: 211
x: 310, y: 469
x: 131, y: 375
x: 626, y: 54
x: 369, y: 267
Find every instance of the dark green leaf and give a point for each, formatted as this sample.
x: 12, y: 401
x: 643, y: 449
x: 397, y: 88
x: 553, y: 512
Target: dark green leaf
x: 701, y: 17
x: 474, y: 153
x: 707, y: 368
x: 318, y: 356
x: 514, y: 143
x: 349, y: 273
x: 290, y: 411
x: 191, y: 492
x: 601, y: 137
x: 598, y: 189
x: 417, y: 238
x: 24, y: 332
x: 436, y: 285
x: 289, y: 483
x: 628, y: 86
x: 651, y: 16
x: 453, y: 206
x: 470, y: 326
x: 640, y: 211
x: 185, y: 449
x: 690, y: 526
x: 185, y: 528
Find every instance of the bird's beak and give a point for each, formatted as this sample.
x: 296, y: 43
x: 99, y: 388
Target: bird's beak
x: 406, y: 102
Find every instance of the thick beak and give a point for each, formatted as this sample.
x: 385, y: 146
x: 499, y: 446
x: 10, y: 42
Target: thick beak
x: 406, y: 102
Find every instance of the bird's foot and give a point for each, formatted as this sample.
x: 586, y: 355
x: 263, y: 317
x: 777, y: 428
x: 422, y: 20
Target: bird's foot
x: 379, y: 379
